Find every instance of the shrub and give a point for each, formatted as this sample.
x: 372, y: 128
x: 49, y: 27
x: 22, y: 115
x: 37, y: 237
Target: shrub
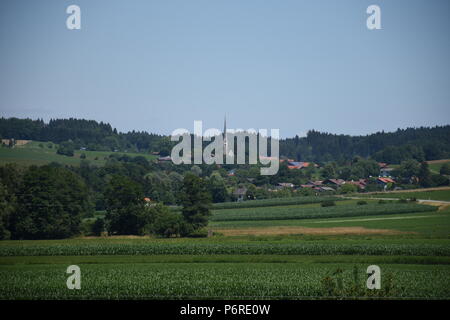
x: 200, y: 233
x: 328, y: 203
x: 361, y: 202
x: 166, y: 223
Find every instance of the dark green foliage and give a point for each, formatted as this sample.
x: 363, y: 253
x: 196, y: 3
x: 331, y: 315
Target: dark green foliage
x: 445, y: 169
x: 165, y: 223
x: 7, y: 203
x: 361, y: 203
x: 328, y: 203
x: 125, y: 211
x: 50, y: 202
x: 196, y: 202
x: 66, y: 148
x: 424, y: 175
x: 98, y: 227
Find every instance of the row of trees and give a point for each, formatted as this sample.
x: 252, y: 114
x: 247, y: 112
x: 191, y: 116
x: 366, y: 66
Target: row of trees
x: 392, y: 147
x: 50, y: 202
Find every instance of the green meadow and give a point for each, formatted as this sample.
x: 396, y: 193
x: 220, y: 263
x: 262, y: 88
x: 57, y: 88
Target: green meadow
x: 39, y: 153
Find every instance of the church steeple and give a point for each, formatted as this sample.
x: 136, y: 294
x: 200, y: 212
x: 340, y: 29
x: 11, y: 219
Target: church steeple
x: 225, y: 143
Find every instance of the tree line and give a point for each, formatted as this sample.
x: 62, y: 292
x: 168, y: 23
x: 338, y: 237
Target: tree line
x: 421, y: 144
x: 55, y: 202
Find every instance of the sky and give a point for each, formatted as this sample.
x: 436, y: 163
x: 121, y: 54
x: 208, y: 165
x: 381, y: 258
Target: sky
x: 158, y: 65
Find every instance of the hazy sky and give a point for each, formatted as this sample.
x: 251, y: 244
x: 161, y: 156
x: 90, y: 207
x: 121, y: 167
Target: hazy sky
x: 294, y: 65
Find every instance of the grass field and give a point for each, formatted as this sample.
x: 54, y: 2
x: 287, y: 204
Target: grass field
x: 435, y: 165
x: 33, y: 154
x: 414, y: 258
x: 443, y: 195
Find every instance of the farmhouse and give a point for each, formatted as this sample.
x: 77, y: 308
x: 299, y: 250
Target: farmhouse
x: 385, y: 182
x: 334, y: 182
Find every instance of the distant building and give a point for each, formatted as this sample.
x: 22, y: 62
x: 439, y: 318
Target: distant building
x: 168, y: 158
x: 385, y: 181
x: 240, y: 193
x: 299, y: 164
x: 286, y: 185
x: 386, y: 172
x: 334, y: 182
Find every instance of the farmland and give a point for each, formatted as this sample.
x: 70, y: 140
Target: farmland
x: 414, y: 259
x: 443, y: 194
x: 39, y: 153
x: 294, y: 212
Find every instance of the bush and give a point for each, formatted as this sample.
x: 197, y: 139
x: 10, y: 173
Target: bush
x: 200, y: 233
x: 361, y: 203
x: 166, y: 223
x: 328, y: 203
x: 86, y: 227
x: 66, y: 148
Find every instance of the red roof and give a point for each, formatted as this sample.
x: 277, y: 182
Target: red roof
x: 386, y: 180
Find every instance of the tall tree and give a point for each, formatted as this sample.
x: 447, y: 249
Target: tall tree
x: 125, y: 211
x: 196, y: 202
x: 51, y: 202
x: 424, y: 175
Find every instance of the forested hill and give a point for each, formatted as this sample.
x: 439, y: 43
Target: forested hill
x: 393, y: 147
x: 90, y: 134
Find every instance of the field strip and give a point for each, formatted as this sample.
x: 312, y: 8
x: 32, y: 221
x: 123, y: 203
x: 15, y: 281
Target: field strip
x: 374, y: 219
x: 305, y: 230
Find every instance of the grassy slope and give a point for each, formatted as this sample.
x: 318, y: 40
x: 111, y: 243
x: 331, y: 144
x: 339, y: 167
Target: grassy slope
x: 32, y: 154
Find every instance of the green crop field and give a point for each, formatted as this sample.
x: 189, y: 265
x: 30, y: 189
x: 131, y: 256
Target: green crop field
x: 246, y: 280
x: 415, y: 263
x: 298, y: 212
x: 38, y: 153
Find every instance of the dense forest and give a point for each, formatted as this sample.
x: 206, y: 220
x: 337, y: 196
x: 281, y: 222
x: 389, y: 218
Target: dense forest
x: 392, y: 147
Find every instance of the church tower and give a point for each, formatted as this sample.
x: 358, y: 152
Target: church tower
x: 225, y: 142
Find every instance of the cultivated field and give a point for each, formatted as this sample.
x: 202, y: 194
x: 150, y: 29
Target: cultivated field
x: 309, y: 252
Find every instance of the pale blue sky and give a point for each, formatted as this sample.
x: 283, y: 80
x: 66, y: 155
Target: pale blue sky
x: 294, y: 65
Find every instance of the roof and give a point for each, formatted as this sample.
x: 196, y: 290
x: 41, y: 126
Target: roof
x: 298, y: 164
x: 240, y: 191
x: 286, y: 184
x: 386, y: 180
x: 335, y: 181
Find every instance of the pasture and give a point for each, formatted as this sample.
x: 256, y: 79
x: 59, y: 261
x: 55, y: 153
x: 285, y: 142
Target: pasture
x: 39, y: 153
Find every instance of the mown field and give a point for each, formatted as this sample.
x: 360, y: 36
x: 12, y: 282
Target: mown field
x: 414, y: 258
x: 38, y: 153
